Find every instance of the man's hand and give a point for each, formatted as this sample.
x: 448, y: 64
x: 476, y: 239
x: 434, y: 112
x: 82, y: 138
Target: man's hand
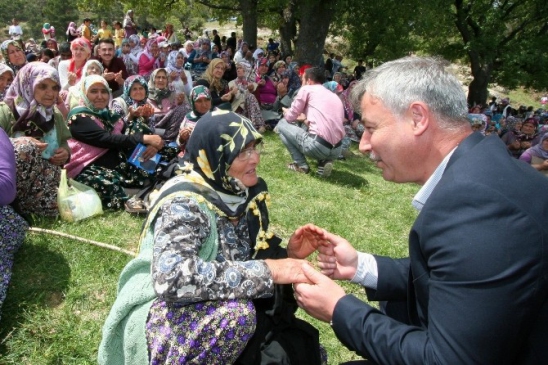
x: 306, y: 240
x: 320, y: 297
x: 118, y: 78
x: 109, y: 76
x: 338, y: 260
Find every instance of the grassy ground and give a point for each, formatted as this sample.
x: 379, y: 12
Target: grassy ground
x: 62, y: 289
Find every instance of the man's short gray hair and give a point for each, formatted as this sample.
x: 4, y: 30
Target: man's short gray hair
x: 403, y: 81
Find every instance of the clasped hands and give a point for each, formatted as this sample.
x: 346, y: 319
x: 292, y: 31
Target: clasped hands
x: 316, y: 292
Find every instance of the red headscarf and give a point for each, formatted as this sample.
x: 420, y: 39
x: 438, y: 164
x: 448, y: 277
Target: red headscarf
x: 82, y: 42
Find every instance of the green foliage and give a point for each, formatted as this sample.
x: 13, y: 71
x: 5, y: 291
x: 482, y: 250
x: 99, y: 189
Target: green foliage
x: 62, y: 290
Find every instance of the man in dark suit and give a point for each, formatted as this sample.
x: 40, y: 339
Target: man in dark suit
x: 474, y: 289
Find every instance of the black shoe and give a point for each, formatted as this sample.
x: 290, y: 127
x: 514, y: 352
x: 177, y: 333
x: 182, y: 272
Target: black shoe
x: 324, y: 168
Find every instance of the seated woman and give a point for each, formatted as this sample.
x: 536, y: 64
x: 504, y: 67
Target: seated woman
x: 223, y: 96
x: 200, y: 101
x: 14, y: 55
x: 149, y: 60
x: 266, y: 92
x: 92, y: 67
x: 169, y: 108
x: 518, y: 140
x: 537, y: 156
x: 244, y: 101
x: 70, y: 71
x: 125, y: 55
x: 230, y: 71
x: 181, y: 79
x: 100, y: 148
x: 6, y: 78
x: 211, y: 262
x: 39, y: 136
x: 12, y: 226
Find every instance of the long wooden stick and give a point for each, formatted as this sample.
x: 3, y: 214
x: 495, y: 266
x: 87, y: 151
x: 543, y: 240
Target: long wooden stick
x: 95, y: 243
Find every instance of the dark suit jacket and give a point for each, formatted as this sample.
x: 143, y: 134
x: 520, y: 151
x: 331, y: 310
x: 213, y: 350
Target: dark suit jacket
x: 476, y: 280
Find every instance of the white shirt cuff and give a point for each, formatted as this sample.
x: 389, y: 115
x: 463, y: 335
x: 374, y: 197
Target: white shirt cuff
x: 367, y: 273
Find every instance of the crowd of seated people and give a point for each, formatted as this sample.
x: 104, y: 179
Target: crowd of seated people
x: 59, y: 111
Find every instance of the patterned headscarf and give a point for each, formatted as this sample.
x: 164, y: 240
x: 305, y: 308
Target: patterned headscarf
x: 3, y: 69
x: 108, y: 117
x: 158, y: 94
x: 347, y: 102
x: 137, y: 43
x: 4, y: 48
x: 197, y: 92
x: 90, y: 63
x: 172, y: 62
x: 33, y: 119
x: 127, y: 89
x: 213, y: 146
x: 537, y: 149
x: 148, y: 47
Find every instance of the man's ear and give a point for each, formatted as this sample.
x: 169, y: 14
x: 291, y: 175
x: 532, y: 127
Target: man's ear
x: 420, y: 115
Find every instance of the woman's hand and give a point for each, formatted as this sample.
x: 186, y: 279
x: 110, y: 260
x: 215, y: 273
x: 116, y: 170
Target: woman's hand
x: 154, y: 141
x: 173, y: 75
x: 149, y: 152
x: 287, y: 271
x: 147, y: 110
x: 60, y: 157
x: 227, y: 96
x: 71, y: 78
x: 306, y: 240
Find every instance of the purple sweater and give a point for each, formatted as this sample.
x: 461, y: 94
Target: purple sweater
x: 7, y: 170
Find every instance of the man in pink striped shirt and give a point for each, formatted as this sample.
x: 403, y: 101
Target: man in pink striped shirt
x: 321, y: 113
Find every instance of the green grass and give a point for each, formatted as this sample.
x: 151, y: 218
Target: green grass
x: 62, y: 289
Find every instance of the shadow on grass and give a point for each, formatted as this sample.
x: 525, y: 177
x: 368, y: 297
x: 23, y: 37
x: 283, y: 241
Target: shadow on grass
x: 40, y: 279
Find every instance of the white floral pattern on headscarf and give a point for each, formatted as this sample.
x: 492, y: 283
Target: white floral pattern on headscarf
x: 3, y: 69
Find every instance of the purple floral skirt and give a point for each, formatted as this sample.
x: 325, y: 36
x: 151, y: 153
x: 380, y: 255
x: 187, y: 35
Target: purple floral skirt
x: 214, y: 332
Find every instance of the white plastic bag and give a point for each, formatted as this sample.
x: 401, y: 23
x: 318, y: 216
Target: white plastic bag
x: 77, y: 201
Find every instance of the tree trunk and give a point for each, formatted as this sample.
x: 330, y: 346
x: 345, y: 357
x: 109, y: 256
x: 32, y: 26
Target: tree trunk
x: 481, y: 71
x: 288, y: 29
x: 315, y: 17
x: 249, y: 16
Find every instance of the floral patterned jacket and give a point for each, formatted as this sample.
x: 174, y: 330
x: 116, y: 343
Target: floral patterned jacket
x: 180, y: 275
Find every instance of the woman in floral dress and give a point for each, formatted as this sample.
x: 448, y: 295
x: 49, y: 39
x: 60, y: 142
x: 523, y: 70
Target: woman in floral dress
x: 211, y: 254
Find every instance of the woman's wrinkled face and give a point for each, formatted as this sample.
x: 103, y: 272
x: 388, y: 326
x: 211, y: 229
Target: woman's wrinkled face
x: 46, y: 93
x: 80, y: 53
x: 240, y: 71
x: 5, y: 80
x: 137, y: 92
x: 180, y: 60
x: 528, y: 128
x: 16, y: 56
x: 202, y: 105
x: 98, y: 96
x: 244, y: 167
x: 93, y: 69
x: 160, y: 80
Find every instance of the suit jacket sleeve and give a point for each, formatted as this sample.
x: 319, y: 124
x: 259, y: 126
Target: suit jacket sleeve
x: 393, y: 279
x: 470, y: 249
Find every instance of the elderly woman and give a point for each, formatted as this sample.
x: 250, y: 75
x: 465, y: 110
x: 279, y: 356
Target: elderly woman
x: 100, y: 148
x: 212, y: 261
x: 244, y: 101
x: 14, y: 55
x: 12, y: 226
x: 200, y: 101
x: 149, y: 60
x: 6, y: 78
x: 181, y: 79
x: 518, y: 141
x: 70, y: 71
x: 39, y: 136
x: 74, y: 99
x: 537, y: 156
x: 169, y: 107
